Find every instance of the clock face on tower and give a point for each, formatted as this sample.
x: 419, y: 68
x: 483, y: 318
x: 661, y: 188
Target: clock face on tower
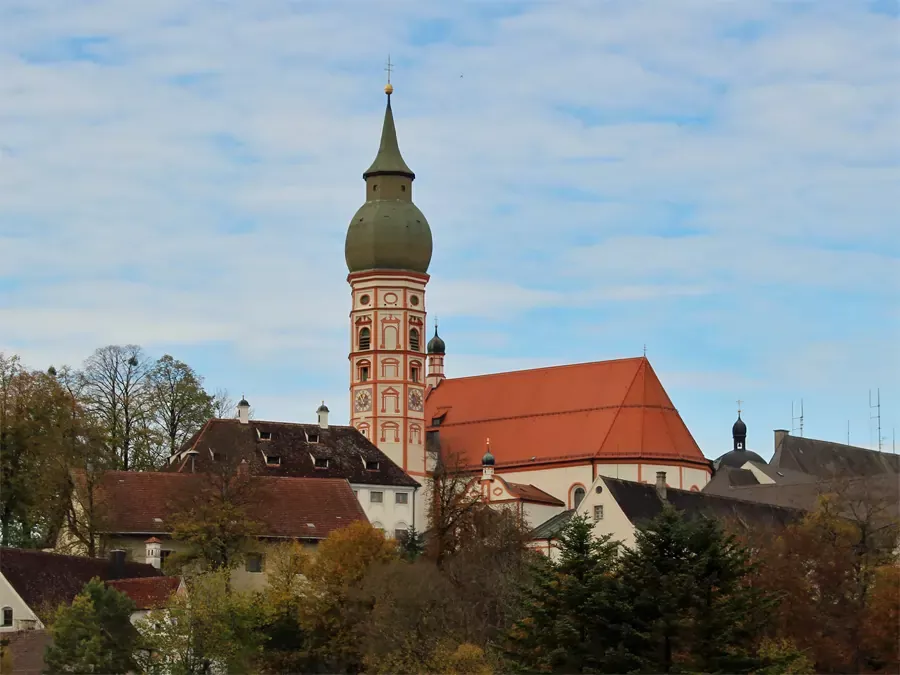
x: 415, y: 400
x: 363, y: 401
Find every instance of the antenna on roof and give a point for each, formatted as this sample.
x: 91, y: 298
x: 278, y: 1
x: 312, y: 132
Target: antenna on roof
x: 645, y: 350
x: 848, y: 432
x: 795, y: 419
x: 876, y: 416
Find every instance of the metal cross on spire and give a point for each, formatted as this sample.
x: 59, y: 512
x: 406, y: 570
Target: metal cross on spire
x: 389, y: 68
x: 739, y: 406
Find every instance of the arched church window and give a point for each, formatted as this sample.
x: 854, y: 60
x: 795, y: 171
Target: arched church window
x: 577, y: 497
x: 365, y: 337
x: 414, y: 339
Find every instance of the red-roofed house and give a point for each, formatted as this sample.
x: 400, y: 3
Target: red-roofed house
x: 134, y: 509
x: 33, y: 584
x: 149, y: 593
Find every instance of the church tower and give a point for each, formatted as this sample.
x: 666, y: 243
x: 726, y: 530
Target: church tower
x: 388, y: 250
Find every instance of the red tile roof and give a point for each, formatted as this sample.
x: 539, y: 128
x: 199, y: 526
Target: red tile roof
x: 529, y: 493
x: 46, y: 580
x: 149, y: 593
x: 300, y: 508
x: 615, y: 410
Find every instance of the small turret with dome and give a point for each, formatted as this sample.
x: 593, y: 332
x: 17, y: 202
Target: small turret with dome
x: 436, y: 350
x: 487, y: 463
x: 739, y: 454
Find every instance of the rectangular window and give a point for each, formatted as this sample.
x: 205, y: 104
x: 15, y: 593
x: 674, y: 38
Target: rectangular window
x: 254, y: 562
x: 364, y: 374
x: 372, y: 465
x: 598, y: 513
x: 402, y: 498
x: 7, y: 616
x: 273, y: 460
x: 414, y: 374
x: 321, y: 462
x: 401, y: 535
x: 376, y: 497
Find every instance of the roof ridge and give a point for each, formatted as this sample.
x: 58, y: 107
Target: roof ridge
x: 556, y: 367
x: 619, y: 409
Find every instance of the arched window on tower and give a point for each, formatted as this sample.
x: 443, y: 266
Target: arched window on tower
x: 414, y: 339
x: 577, y: 496
x: 365, y: 338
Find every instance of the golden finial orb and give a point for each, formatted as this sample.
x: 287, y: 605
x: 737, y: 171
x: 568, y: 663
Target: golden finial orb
x: 388, y: 89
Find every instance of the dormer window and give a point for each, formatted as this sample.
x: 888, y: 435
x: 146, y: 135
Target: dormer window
x: 273, y: 460
x: 218, y: 456
x: 312, y: 437
x: 436, y: 421
x: 264, y: 435
x: 320, y: 462
x: 372, y: 465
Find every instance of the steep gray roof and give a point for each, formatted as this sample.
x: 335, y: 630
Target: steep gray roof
x: 806, y: 495
x: 641, y: 502
x: 825, y: 459
x: 551, y: 528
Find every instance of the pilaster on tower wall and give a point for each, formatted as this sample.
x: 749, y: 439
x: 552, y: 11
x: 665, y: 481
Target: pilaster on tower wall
x: 387, y: 376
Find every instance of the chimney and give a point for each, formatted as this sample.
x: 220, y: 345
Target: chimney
x: 154, y: 552
x: 322, y: 413
x: 779, y: 437
x: 661, y: 484
x: 243, y: 411
x: 116, y: 564
x: 193, y: 456
x: 243, y: 468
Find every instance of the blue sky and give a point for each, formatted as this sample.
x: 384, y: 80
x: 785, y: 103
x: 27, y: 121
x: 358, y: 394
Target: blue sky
x: 716, y: 180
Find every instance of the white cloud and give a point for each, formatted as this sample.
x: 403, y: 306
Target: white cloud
x: 192, y: 184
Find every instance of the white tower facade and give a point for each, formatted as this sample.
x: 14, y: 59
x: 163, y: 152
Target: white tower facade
x: 387, y: 364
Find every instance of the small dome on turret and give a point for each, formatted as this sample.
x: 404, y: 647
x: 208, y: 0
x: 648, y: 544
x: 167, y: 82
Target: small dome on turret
x: 488, y: 459
x: 322, y: 408
x: 436, y: 344
x: 243, y: 403
x: 739, y: 428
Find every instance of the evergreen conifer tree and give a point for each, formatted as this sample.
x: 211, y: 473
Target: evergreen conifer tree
x: 94, y: 634
x: 412, y: 545
x: 693, y: 608
x: 572, y: 609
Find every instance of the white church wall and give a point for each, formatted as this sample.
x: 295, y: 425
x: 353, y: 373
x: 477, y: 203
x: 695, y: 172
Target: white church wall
x: 557, y: 481
x: 535, y: 514
x: 612, y: 520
